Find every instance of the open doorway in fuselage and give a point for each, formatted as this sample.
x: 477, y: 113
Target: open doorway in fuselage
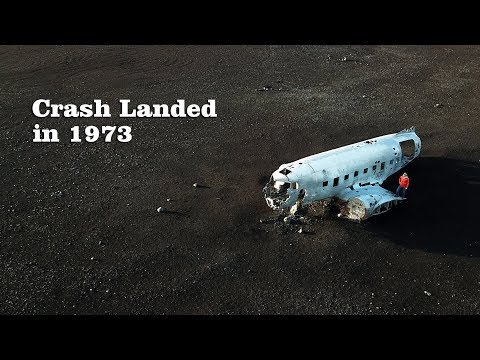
x: 408, y: 151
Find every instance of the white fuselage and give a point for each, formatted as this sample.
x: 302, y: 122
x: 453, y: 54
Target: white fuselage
x: 327, y: 174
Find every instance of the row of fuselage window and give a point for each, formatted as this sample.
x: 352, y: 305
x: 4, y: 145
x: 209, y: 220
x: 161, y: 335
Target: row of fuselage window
x: 355, y: 174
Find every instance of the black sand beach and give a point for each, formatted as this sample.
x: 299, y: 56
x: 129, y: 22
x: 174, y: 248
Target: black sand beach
x: 79, y: 229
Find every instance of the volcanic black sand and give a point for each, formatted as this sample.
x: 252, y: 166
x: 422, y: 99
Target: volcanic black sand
x: 79, y: 228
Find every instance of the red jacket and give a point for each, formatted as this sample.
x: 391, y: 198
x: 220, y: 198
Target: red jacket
x: 404, y: 181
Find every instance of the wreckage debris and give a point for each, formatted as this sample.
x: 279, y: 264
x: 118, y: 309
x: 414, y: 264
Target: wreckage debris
x: 57, y: 194
x: 290, y: 220
x: 161, y: 209
x: 197, y: 185
x: 265, y: 88
x: 348, y: 59
x: 438, y: 105
x: 269, y: 88
x: 319, y: 209
x: 289, y: 224
x: 345, y: 59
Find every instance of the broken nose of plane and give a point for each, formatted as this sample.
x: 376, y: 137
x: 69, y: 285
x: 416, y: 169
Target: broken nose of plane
x: 278, y: 193
x: 271, y: 203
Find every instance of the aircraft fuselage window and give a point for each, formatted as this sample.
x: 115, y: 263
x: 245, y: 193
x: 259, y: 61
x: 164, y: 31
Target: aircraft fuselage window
x: 335, y: 181
x: 346, y: 177
x: 374, y: 167
x: 365, y: 170
x: 391, y: 162
x: 382, y: 166
x: 325, y: 183
x: 355, y: 173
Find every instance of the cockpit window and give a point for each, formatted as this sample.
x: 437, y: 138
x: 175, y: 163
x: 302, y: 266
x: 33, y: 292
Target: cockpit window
x: 285, y: 171
x: 281, y: 186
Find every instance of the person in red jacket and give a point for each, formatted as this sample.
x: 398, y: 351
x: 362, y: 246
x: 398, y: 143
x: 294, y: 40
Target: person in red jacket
x: 404, y: 182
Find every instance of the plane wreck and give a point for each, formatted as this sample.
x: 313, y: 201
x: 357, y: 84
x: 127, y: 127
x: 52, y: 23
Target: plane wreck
x: 351, y: 175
